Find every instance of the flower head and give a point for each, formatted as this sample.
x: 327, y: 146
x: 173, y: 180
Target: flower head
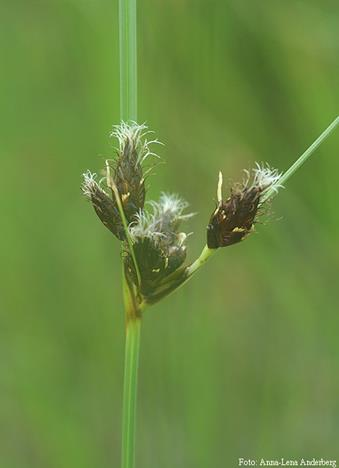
x: 154, y: 247
x: 234, y: 218
x: 126, y: 174
x: 158, y: 244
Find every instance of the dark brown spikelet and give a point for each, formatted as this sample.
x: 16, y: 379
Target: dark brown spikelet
x: 104, y: 206
x: 234, y: 218
x: 155, y: 264
x: 129, y: 180
x: 127, y: 168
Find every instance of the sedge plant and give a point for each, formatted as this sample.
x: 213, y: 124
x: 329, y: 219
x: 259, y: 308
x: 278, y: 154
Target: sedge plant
x: 153, y: 246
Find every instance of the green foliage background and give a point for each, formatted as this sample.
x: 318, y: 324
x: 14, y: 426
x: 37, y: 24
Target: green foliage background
x: 243, y: 361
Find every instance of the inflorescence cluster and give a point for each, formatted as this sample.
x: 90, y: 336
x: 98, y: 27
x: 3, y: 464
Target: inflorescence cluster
x: 154, y: 247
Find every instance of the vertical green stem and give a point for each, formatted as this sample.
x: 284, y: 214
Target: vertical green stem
x: 128, y: 113
x: 130, y: 391
x: 128, y: 59
x: 132, y: 345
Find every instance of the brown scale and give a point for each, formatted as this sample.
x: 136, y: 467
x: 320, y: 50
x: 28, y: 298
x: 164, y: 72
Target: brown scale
x: 129, y: 180
x: 155, y: 263
x: 107, y: 211
x: 234, y: 218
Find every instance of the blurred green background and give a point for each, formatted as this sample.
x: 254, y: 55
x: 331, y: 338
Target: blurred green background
x: 243, y: 361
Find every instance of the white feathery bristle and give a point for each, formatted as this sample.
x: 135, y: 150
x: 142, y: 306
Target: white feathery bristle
x: 150, y: 225
x: 145, y: 226
x: 172, y: 203
x: 134, y: 134
x: 89, y: 184
x: 266, y: 177
x: 128, y: 132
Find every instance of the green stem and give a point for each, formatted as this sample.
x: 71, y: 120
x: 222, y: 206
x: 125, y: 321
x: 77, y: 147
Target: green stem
x: 199, y: 262
x: 132, y: 346
x: 128, y: 87
x: 303, y: 158
x: 128, y: 113
x: 116, y: 194
x: 128, y: 59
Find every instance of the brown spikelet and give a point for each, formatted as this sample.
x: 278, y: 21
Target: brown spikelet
x: 234, y: 218
x: 104, y: 206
